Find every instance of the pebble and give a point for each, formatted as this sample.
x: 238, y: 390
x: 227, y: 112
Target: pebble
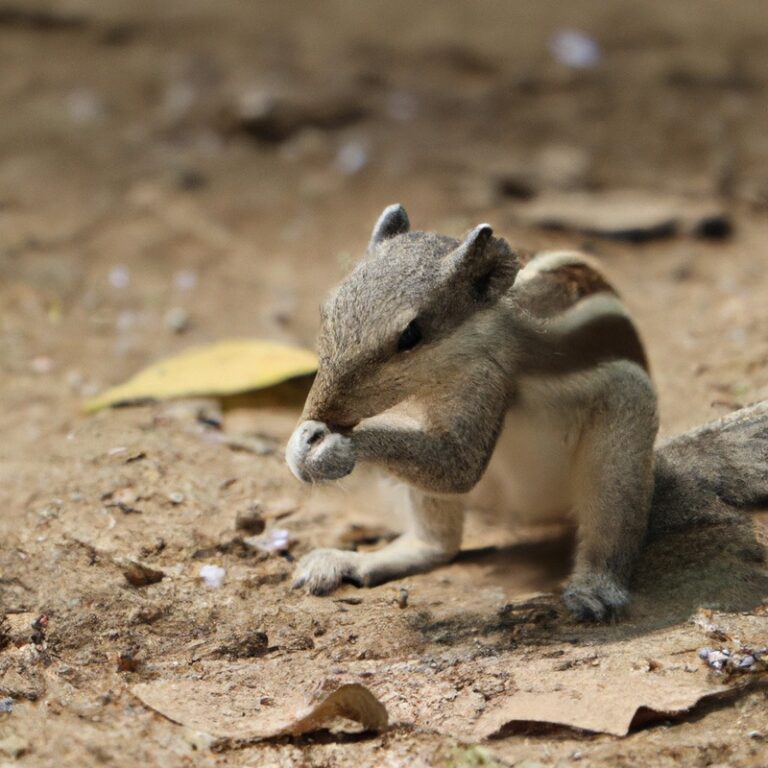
x: 185, y: 279
x: 724, y: 658
x: 6, y: 704
x: 351, y: 158
x: 84, y: 106
x: 176, y: 497
x: 575, y: 49
x: 127, y: 661
x: 41, y: 365
x: 212, y: 576
x: 139, y: 575
x: 277, y: 540
x: 177, y: 319
x: 250, y: 519
x: 119, y: 277
x: 401, y: 106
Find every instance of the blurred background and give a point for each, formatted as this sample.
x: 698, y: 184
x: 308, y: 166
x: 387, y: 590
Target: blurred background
x: 178, y: 172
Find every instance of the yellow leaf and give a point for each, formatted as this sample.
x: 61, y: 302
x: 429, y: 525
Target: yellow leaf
x: 226, y: 368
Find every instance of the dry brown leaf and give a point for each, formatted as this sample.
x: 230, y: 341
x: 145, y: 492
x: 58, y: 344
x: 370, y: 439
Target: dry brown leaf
x: 231, y: 706
x: 625, y: 215
x: 603, y: 703
x: 351, y: 701
x: 608, y: 688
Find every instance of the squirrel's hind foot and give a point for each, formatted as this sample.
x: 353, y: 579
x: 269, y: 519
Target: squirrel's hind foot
x: 595, y: 597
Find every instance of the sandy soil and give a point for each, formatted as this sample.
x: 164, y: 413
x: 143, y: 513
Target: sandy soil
x: 175, y: 173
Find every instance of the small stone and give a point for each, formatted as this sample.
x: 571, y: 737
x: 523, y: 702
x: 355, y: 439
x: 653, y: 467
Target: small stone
x: 127, y: 661
x: 575, y: 49
x: 185, y: 279
x: 746, y: 662
x: 119, y: 277
x: 704, y: 653
x: 212, y: 576
x: 191, y: 180
x: 277, y: 540
x: 139, y: 575
x: 402, y: 598
x: 6, y: 704
x: 84, y: 106
x: 250, y: 519
x: 41, y: 365
x: 176, y: 497
x: 351, y: 158
x: 401, y: 106
x: 177, y: 319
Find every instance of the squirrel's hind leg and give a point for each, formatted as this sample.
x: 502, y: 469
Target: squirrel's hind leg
x: 433, y: 537
x: 613, y: 488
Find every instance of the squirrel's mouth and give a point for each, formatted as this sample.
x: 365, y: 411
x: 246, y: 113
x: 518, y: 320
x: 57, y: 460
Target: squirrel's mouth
x: 344, y: 425
x: 334, y: 421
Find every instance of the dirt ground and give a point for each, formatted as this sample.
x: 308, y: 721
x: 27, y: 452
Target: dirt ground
x: 180, y: 172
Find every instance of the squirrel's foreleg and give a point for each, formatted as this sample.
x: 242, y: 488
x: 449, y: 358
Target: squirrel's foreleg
x: 432, y: 537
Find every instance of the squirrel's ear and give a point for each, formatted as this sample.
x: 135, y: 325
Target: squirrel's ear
x: 393, y: 221
x: 469, y: 258
x: 484, y: 262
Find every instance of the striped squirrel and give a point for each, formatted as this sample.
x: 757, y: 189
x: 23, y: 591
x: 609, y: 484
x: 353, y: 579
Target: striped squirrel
x: 434, y: 350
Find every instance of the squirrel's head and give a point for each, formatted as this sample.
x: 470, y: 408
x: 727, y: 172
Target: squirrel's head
x: 413, y: 311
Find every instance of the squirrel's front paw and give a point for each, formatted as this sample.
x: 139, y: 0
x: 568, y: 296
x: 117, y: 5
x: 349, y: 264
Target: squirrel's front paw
x: 322, y: 570
x: 314, y: 453
x: 595, y: 596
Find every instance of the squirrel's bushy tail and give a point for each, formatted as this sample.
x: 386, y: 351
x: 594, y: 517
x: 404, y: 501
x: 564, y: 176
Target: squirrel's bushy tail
x: 705, y: 475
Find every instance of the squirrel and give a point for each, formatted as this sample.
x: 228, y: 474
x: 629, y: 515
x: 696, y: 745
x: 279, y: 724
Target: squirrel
x: 433, y: 350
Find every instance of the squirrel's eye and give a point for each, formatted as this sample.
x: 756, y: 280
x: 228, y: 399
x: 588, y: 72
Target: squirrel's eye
x: 410, y: 337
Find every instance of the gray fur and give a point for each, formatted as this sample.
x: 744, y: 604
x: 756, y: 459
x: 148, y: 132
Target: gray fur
x: 484, y: 361
x: 393, y: 221
x: 705, y: 474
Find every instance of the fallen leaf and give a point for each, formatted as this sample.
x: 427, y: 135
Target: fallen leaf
x: 626, y: 215
x: 260, y: 701
x: 596, y: 702
x: 225, y: 368
x: 352, y: 701
x: 469, y: 698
